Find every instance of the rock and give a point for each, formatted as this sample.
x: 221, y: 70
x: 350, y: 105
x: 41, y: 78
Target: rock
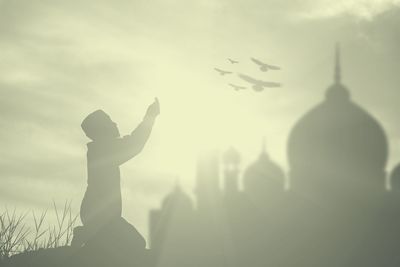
x: 118, y: 244
x: 57, y: 257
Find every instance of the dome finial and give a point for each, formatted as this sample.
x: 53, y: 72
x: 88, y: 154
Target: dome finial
x: 177, y: 183
x: 263, y: 148
x: 337, y: 76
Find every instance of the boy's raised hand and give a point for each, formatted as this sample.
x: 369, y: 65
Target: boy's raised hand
x: 154, y: 109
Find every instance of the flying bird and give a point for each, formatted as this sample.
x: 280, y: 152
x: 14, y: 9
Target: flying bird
x: 233, y: 61
x: 237, y: 87
x: 222, y: 72
x: 258, y: 85
x: 264, y: 66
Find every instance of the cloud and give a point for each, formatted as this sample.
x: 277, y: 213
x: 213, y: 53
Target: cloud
x: 363, y: 9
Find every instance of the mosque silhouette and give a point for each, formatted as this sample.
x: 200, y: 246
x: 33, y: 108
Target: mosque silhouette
x: 337, y: 212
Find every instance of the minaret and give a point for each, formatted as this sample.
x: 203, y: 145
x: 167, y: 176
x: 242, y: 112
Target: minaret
x: 207, y: 180
x: 338, y: 74
x: 231, y: 171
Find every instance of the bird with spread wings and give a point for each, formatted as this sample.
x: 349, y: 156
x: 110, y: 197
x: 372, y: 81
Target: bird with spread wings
x: 222, y: 72
x: 258, y: 85
x: 237, y: 87
x: 263, y: 66
x: 232, y: 61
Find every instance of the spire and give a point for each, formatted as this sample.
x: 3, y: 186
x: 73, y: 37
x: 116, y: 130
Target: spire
x: 337, y: 76
x: 264, y: 149
x: 337, y: 91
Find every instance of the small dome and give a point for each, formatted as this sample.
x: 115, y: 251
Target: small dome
x: 231, y: 157
x: 177, y: 199
x: 395, y: 179
x: 263, y: 175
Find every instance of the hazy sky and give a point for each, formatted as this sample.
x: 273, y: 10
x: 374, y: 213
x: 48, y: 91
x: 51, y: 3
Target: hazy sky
x: 60, y: 60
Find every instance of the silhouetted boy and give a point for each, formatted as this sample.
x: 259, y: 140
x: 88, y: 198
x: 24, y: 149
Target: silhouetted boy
x: 102, y: 205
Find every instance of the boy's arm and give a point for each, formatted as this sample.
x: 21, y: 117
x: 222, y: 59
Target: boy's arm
x: 131, y: 145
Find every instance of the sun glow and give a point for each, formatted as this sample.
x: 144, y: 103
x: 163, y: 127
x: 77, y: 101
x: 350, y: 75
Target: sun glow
x: 207, y: 119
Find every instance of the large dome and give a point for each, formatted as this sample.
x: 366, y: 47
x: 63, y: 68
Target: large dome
x: 337, y: 138
x: 395, y: 179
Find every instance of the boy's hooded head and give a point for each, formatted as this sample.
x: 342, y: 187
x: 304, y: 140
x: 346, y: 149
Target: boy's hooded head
x: 98, y: 125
